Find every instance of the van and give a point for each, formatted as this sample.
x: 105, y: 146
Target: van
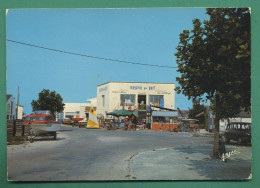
x: 239, y: 132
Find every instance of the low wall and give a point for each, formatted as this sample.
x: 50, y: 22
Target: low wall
x: 165, y: 126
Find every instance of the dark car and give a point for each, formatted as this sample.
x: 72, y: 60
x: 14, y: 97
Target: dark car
x: 238, y: 131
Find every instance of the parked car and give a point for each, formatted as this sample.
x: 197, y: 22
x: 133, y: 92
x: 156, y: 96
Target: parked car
x: 67, y: 121
x: 238, y: 131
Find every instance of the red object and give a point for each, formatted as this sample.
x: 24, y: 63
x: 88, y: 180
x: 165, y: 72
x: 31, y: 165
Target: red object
x: 38, y: 118
x: 165, y: 126
x: 77, y: 119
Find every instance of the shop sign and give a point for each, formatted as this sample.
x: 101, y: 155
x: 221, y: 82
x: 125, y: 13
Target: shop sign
x: 150, y: 88
x: 102, y: 89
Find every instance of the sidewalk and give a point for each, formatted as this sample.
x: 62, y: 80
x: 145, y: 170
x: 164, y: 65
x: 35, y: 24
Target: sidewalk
x: 190, y: 163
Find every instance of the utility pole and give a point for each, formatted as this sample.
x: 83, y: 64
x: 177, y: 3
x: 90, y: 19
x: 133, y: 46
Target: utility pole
x: 17, y: 104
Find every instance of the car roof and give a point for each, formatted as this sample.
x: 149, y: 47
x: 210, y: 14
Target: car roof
x: 38, y: 115
x: 239, y: 123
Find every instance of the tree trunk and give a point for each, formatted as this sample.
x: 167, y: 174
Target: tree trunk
x: 216, y: 128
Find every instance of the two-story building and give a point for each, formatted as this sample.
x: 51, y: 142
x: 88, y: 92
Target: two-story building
x: 10, y: 107
x: 133, y: 95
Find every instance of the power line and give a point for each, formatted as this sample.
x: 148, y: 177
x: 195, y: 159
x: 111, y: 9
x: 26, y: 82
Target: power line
x: 89, y: 56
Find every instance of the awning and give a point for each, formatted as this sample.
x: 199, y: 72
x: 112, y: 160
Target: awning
x: 165, y: 113
x: 122, y: 112
x: 70, y: 113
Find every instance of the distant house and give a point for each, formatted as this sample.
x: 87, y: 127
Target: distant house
x: 183, y: 113
x: 10, y: 107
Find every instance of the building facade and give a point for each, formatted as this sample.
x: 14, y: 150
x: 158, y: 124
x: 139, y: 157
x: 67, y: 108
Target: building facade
x: 72, y: 110
x: 133, y: 96
x: 10, y: 107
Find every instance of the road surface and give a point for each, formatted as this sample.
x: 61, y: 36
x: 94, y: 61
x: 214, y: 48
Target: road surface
x: 81, y: 154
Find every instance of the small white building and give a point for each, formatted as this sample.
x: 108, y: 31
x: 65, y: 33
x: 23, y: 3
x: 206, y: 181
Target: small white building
x: 93, y: 101
x: 133, y: 95
x: 72, y: 110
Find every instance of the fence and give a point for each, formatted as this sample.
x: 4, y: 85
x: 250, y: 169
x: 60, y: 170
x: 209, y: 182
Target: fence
x: 15, y: 128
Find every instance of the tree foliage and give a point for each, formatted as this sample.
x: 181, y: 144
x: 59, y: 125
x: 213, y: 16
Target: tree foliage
x: 214, y: 61
x: 214, y: 58
x: 196, y: 110
x: 48, y: 100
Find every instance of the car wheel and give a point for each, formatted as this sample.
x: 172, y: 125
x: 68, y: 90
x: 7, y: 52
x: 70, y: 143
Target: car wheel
x: 239, y: 141
x: 31, y: 140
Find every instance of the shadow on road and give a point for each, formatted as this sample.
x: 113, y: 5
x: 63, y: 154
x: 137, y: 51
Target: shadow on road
x: 65, y: 130
x: 47, y: 139
x: 218, y: 170
x: 236, y: 168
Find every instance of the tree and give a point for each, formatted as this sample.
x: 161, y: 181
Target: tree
x: 196, y: 110
x: 214, y: 62
x: 48, y: 100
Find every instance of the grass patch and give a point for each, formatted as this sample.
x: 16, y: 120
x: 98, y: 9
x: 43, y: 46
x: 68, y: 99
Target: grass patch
x: 15, y: 140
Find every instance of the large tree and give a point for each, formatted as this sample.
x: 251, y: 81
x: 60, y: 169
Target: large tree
x: 214, y: 62
x: 48, y: 100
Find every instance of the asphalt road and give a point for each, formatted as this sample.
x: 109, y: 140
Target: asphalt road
x: 81, y: 154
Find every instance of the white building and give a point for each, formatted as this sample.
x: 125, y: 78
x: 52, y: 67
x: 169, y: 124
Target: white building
x: 10, y: 107
x: 72, y: 110
x: 133, y: 95
x: 93, y: 101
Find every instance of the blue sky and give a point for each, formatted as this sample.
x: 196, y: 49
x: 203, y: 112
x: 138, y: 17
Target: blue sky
x: 147, y: 36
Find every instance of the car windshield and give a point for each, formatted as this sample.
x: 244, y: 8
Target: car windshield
x: 244, y: 126
x: 35, y: 118
x: 239, y: 126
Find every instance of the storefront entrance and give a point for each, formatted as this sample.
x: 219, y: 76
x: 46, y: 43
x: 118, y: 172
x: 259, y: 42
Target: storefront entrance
x: 141, y: 102
x: 141, y: 108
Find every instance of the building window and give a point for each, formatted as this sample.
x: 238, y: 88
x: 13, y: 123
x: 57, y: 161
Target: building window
x: 8, y: 108
x: 127, y: 100
x: 69, y: 116
x: 155, y: 99
x: 158, y: 119
x: 103, y: 100
x: 12, y: 107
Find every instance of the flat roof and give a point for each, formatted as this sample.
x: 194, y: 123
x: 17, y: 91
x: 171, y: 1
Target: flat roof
x: 136, y: 82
